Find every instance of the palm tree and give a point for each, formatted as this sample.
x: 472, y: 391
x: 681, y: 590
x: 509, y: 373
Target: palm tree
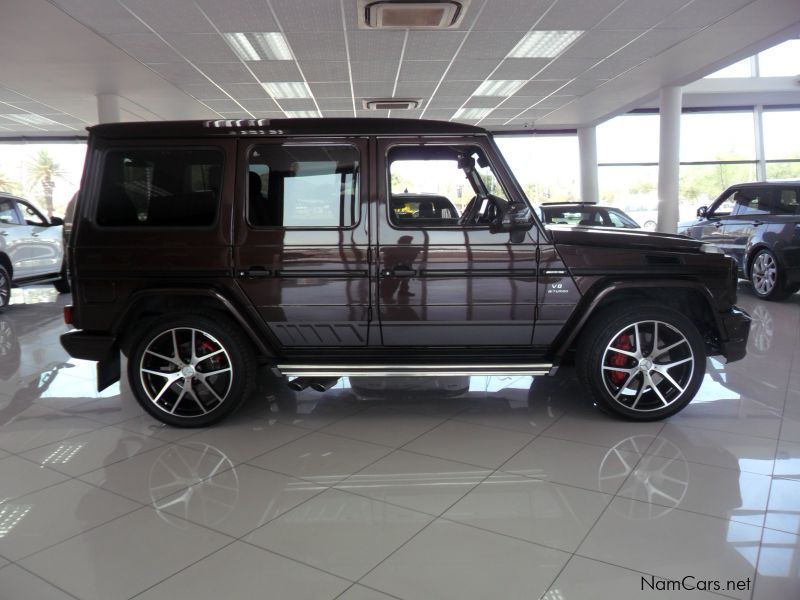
x: 43, y: 170
x: 8, y: 185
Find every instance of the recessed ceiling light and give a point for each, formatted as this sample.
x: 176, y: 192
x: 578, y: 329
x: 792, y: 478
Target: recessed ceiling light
x: 499, y: 87
x: 259, y: 46
x: 287, y: 89
x: 472, y: 113
x: 544, y: 44
x: 411, y: 14
x: 302, y: 114
x: 30, y: 119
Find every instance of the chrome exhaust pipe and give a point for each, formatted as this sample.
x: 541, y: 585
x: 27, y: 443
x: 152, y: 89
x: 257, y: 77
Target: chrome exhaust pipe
x: 300, y: 383
x: 324, y: 384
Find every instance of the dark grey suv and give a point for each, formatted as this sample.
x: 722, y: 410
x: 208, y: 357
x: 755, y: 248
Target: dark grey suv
x: 758, y: 224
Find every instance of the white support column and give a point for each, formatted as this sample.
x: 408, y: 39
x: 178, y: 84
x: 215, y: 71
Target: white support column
x: 669, y: 158
x: 108, y: 108
x: 758, y: 126
x: 587, y: 145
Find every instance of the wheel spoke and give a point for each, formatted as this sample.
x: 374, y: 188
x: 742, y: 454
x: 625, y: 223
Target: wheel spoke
x: 210, y: 389
x: 625, y: 352
x: 668, y: 348
x: 638, y: 340
x: 178, y: 400
x: 173, y: 375
x: 626, y: 384
x: 639, y: 394
x: 175, y: 346
x: 171, y: 361
x: 209, y: 355
x: 654, y: 387
x: 193, y: 357
x: 665, y: 374
x: 671, y: 365
x: 217, y: 372
x: 197, y: 400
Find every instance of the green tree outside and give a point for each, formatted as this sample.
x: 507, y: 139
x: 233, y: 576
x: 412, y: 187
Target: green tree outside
x: 43, y: 170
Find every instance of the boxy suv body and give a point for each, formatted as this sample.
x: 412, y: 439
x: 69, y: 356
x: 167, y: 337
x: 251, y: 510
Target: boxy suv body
x: 321, y: 248
x: 758, y: 224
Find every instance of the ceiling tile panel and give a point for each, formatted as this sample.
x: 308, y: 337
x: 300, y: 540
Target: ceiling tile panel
x: 366, y: 70
x: 204, y: 91
x: 338, y: 114
x: 202, y: 47
x: 541, y: 87
x: 7, y: 95
x: 297, y: 104
x: 105, y: 17
x: 521, y: 102
x: 488, y: 44
x: 236, y: 115
x: 422, y: 70
x: 222, y: 105
x: 432, y: 45
x: 578, y: 14
x: 260, y: 106
x: 613, y: 66
x: 34, y: 107
x: 320, y: 45
x: 309, y: 15
x: 371, y: 89
x: 599, y: 44
x: 581, y: 87
x: 450, y: 102
x: 458, y: 88
x: 554, y: 101
x: 224, y: 73
x: 335, y: 103
x: 415, y: 89
x: 239, y: 16
x: 654, y: 42
x: 372, y: 114
x: 178, y: 73
x: 325, y: 71
x: 275, y: 70
x: 144, y: 47
x: 175, y: 16
x: 504, y: 113
x: 471, y: 70
x: 439, y: 114
x: 511, y: 15
x: 534, y: 113
x: 701, y: 14
x: 384, y: 46
x: 338, y: 89
x: 247, y: 91
x: 520, y: 68
x: 641, y: 14
x: 563, y: 68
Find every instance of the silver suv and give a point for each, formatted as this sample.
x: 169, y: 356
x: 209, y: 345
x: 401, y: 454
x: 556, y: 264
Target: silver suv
x: 31, y: 247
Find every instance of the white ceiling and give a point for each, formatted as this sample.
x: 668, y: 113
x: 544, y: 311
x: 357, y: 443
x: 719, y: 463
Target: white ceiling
x: 169, y: 59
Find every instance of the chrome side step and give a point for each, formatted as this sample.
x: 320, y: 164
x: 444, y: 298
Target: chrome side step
x: 324, y: 370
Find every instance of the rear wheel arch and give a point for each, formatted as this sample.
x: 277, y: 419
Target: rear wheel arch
x: 6, y: 262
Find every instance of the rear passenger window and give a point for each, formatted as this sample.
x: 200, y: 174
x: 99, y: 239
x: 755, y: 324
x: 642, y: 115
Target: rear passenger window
x: 292, y: 185
x: 165, y: 187
x: 787, y: 203
x: 8, y: 214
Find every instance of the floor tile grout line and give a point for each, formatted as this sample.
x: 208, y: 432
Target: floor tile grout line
x: 774, y: 464
x: 50, y: 583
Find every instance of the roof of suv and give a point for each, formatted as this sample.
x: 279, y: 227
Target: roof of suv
x: 258, y: 127
x: 776, y: 182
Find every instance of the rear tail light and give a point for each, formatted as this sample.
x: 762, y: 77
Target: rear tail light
x: 68, y: 314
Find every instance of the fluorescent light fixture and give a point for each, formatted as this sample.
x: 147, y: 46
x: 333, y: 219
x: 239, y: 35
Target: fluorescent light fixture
x: 259, y: 46
x: 499, y: 87
x: 472, y: 113
x: 302, y: 114
x: 29, y: 119
x: 544, y: 44
x: 287, y: 89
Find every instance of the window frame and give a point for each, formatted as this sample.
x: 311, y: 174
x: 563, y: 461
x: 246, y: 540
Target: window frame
x: 101, y: 173
x: 355, y: 209
x: 15, y: 208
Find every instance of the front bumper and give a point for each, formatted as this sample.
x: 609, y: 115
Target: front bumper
x: 736, y: 326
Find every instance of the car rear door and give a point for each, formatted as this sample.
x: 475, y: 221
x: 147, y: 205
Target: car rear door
x: 302, y: 239
x: 441, y: 282
x: 14, y: 234
x: 45, y: 245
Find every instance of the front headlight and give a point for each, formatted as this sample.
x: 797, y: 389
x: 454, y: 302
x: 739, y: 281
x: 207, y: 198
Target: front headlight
x: 711, y: 249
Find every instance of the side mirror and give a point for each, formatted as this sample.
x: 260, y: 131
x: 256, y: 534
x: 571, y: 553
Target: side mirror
x: 513, y: 217
x: 56, y: 221
x: 702, y: 212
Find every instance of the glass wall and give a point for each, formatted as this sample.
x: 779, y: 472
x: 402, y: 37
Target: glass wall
x: 778, y: 61
x: 546, y: 166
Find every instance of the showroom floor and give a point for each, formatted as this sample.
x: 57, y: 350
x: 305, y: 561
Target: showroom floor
x: 481, y: 488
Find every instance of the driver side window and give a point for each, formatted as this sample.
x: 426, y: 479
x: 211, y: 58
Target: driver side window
x: 724, y: 208
x: 441, y: 186
x: 31, y: 215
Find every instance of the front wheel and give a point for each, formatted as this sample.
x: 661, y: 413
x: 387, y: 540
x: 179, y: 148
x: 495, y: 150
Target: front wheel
x: 5, y: 287
x: 192, y: 370
x: 643, y: 363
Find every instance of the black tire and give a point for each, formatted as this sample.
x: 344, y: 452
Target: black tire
x: 208, y: 398
x: 62, y: 285
x: 5, y: 287
x: 768, y: 276
x: 609, y: 367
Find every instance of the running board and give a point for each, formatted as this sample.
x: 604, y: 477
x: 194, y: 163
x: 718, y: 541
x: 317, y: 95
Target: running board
x: 324, y: 370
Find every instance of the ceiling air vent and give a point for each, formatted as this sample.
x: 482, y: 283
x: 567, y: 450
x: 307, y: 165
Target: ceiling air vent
x: 411, y: 14
x: 391, y: 103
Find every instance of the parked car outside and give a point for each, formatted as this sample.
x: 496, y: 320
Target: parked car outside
x: 586, y: 214
x: 758, y: 225
x: 206, y: 248
x: 31, y: 247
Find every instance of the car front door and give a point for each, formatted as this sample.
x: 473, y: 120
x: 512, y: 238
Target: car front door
x: 45, y: 245
x: 302, y: 240
x: 709, y: 229
x: 444, y: 279
x: 751, y: 211
x: 14, y: 235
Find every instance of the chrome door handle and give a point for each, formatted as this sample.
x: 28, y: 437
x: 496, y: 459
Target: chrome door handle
x: 254, y: 272
x: 400, y: 271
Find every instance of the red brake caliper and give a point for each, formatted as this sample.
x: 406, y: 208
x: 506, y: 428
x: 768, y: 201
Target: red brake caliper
x: 617, y: 359
x: 207, y: 348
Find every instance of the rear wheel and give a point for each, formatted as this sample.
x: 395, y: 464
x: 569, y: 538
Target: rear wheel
x: 62, y: 285
x: 192, y: 370
x: 768, y: 277
x: 5, y: 287
x: 643, y: 363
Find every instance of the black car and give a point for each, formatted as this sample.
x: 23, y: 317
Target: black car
x: 758, y: 224
x: 587, y: 214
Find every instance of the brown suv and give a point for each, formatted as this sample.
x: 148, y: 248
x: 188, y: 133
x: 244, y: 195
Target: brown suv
x: 368, y: 247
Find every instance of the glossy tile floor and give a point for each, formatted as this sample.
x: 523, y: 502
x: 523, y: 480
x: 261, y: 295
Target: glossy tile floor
x: 483, y: 488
